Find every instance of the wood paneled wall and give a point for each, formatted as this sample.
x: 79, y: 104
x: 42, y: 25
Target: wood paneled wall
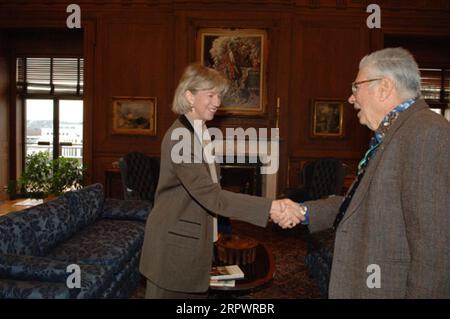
x: 140, y: 48
x: 4, y: 97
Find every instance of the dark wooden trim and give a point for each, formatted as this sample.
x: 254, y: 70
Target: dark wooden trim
x: 344, y: 5
x: 12, y: 115
x: 89, y: 45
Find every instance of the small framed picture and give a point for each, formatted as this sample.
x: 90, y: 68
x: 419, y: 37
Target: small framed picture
x: 328, y: 118
x: 241, y: 56
x: 134, y: 115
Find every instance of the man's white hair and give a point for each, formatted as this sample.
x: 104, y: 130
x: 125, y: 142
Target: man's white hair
x: 399, y: 65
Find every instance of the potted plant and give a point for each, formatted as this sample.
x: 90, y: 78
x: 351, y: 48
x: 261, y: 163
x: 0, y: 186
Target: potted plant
x: 67, y: 174
x: 35, y: 180
x: 43, y: 176
x: 11, y: 189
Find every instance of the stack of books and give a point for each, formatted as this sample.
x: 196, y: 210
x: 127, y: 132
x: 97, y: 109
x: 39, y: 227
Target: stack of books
x: 225, y: 276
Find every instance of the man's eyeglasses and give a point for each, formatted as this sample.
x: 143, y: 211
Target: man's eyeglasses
x: 355, y: 85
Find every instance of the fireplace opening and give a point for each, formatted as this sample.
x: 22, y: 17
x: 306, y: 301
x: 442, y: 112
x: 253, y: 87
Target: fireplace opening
x: 244, y: 178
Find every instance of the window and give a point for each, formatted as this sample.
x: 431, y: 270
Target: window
x: 436, y: 88
x: 52, y: 90
x: 40, y: 127
x: 432, y: 53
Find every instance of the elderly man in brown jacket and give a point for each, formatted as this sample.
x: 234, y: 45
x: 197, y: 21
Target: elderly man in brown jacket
x: 393, y: 226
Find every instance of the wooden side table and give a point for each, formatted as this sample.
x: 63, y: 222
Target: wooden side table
x: 113, y: 183
x: 234, y: 249
x: 257, y: 273
x: 9, y: 206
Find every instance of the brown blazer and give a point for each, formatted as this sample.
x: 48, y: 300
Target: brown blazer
x: 399, y: 217
x: 178, y: 244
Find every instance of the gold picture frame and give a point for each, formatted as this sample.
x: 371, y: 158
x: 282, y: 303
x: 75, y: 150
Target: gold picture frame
x: 134, y: 115
x: 327, y: 118
x: 240, y: 55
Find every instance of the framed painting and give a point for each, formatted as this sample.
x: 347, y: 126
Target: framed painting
x: 240, y: 55
x: 328, y: 118
x: 134, y: 115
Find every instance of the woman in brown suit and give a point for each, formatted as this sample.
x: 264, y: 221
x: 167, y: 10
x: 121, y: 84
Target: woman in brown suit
x: 180, y: 231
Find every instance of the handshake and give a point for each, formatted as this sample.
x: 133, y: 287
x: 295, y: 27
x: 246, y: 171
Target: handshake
x: 286, y: 213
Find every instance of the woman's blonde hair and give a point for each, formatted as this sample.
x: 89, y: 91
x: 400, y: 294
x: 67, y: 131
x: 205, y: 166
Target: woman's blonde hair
x: 197, y: 77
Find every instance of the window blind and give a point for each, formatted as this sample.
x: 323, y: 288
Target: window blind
x: 446, y: 85
x: 435, y: 84
x: 50, y: 75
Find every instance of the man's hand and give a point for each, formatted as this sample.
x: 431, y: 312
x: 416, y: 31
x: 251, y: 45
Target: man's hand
x: 287, y: 213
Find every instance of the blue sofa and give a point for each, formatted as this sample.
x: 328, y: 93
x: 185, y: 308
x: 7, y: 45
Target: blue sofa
x: 101, y: 237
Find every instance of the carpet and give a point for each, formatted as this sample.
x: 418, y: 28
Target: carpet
x: 289, y: 247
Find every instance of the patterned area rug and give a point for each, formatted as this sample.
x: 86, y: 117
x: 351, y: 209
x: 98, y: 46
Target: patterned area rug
x: 289, y: 248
